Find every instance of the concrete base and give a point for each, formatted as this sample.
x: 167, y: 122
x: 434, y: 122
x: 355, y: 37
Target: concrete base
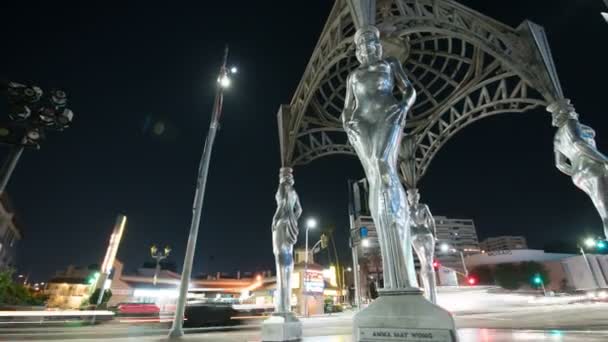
x: 403, y: 316
x: 281, y: 327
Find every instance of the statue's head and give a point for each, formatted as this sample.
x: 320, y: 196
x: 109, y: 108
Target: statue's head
x: 367, y: 42
x: 562, y: 111
x: 286, y: 175
x: 413, y: 196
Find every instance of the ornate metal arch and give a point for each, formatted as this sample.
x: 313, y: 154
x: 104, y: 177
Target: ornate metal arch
x: 464, y: 65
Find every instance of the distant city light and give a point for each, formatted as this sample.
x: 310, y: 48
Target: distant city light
x: 590, y: 242
x: 234, y: 70
x: 365, y: 242
x: 224, y: 81
x: 311, y: 223
x: 348, y: 269
x: 444, y: 247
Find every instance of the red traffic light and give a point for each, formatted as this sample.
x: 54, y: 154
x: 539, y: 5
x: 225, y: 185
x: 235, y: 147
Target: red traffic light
x: 472, y: 280
x: 436, y: 264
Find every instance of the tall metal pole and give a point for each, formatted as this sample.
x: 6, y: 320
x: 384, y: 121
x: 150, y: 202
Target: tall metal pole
x: 178, y: 321
x: 464, y: 265
x: 356, y: 274
x: 597, y: 284
x: 9, y: 166
x: 305, y: 274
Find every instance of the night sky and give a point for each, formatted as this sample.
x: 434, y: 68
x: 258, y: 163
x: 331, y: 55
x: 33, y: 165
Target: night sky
x: 140, y: 78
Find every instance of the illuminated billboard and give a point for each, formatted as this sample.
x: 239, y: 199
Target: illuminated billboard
x: 314, y: 283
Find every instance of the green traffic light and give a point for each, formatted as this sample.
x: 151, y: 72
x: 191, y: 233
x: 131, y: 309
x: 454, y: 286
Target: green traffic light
x: 601, y: 244
x: 538, y: 280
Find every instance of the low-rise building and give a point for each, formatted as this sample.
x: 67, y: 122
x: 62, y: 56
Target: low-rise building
x: 567, y: 272
x: 70, y: 288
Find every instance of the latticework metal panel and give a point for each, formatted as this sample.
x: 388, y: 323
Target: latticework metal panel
x: 464, y: 66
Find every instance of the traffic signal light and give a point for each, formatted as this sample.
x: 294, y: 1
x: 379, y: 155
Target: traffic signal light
x: 324, y: 241
x: 436, y: 264
x: 537, y: 279
x: 93, y: 278
x: 472, y: 280
x: 601, y: 245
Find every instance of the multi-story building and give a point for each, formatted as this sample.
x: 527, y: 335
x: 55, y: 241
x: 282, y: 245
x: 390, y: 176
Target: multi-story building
x: 10, y: 233
x: 503, y: 243
x: 68, y: 289
x: 461, y: 237
x: 459, y: 234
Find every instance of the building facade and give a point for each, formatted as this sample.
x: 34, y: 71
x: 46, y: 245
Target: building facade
x: 10, y: 233
x: 503, y: 243
x: 461, y: 237
x: 567, y: 272
x: 69, y: 289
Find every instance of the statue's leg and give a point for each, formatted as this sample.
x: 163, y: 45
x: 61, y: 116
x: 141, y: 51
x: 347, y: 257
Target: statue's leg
x: 287, y: 270
x: 393, y: 228
x: 429, y: 250
x: 424, y: 246
x: 284, y: 263
x: 600, y: 200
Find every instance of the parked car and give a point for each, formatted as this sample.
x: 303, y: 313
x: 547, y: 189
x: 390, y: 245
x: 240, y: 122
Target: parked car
x: 209, y: 314
x: 137, y: 309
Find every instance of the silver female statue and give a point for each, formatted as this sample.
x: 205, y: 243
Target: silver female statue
x: 374, y: 120
x: 284, y: 236
x: 577, y: 156
x: 422, y: 225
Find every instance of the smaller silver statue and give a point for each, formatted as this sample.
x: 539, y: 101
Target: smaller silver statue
x: 284, y: 236
x: 577, y: 156
x: 422, y: 225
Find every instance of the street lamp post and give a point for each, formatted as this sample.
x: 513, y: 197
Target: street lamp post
x: 446, y: 248
x: 31, y: 113
x: 344, y: 288
x: 158, y: 256
x: 540, y: 281
x: 589, y: 242
x: 223, y: 81
x: 311, y: 223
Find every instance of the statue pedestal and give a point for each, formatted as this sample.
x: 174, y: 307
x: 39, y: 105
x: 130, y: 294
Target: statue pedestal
x: 281, y: 327
x: 403, y: 316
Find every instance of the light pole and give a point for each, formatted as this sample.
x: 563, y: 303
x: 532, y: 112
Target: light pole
x: 158, y: 256
x: 589, y: 243
x: 31, y: 113
x: 223, y: 82
x: 311, y: 223
x: 446, y: 248
x: 348, y: 269
x: 540, y: 281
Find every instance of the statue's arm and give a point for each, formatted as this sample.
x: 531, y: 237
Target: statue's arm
x: 430, y: 220
x: 349, y: 101
x: 297, y: 206
x: 574, y: 131
x: 403, y: 83
x: 562, y: 164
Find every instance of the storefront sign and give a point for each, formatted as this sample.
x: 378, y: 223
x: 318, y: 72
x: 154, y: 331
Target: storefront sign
x: 495, y: 253
x: 313, y: 282
x: 403, y: 335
